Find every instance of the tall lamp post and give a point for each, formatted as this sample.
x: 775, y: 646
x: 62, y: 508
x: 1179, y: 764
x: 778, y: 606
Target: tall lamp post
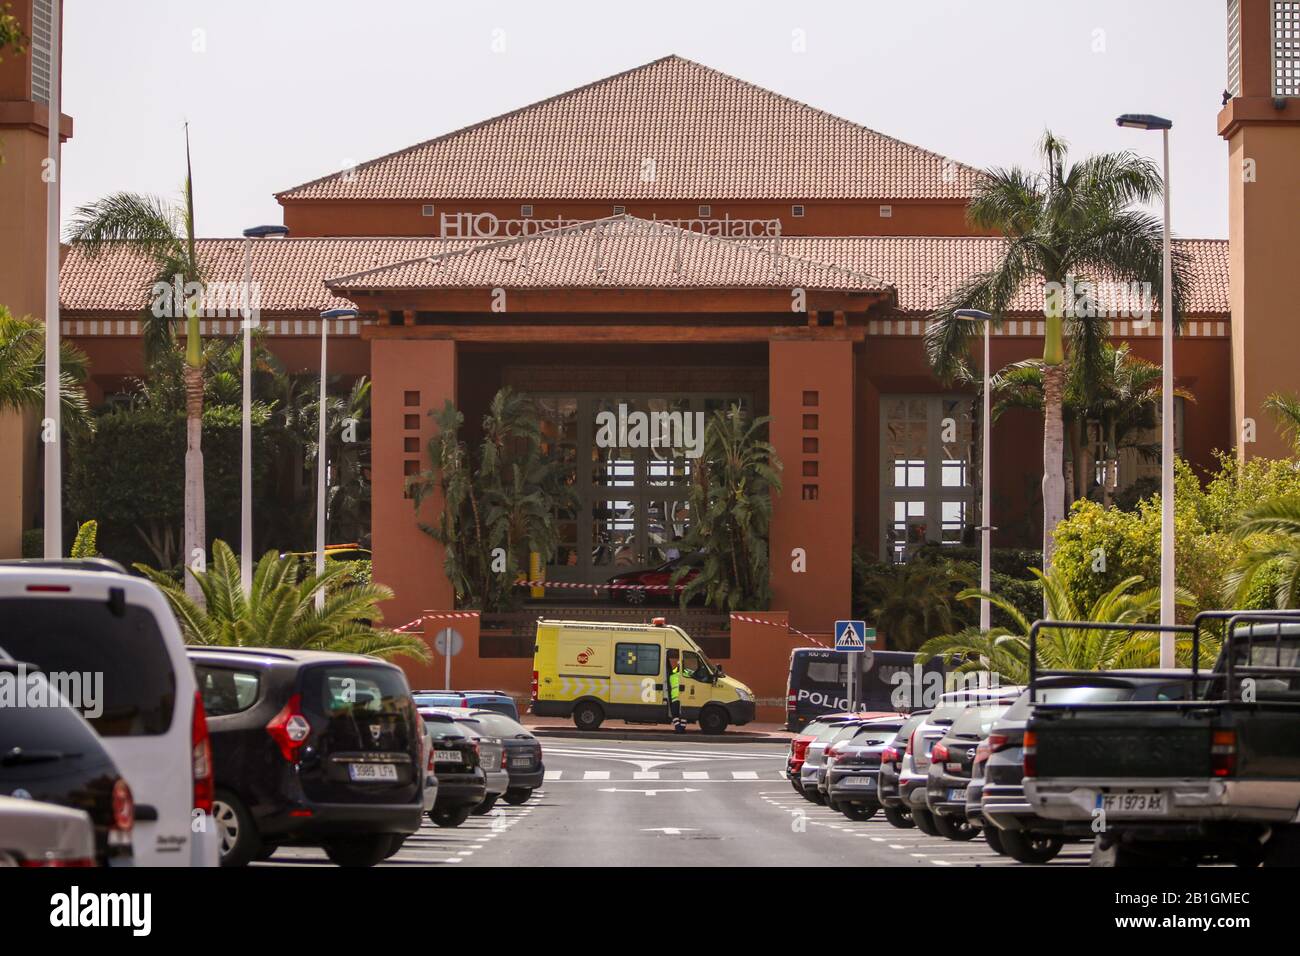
x: 52, y: 427
x: 986, y: 525
x: 246, y: 466
x: 1167, y: 609
x: 322, y: 463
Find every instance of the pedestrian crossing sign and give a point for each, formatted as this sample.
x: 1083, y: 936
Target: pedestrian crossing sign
x: 853, y: 636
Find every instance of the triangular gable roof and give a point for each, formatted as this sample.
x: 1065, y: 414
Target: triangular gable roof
x: 619, y: 252
x: 671, y: 129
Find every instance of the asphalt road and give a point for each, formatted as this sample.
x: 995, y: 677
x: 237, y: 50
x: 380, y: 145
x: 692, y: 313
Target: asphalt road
x: 681, y: 803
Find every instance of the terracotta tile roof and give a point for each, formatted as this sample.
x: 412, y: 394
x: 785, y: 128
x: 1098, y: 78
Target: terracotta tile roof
x: 709, y: 135
x: 924, y: 270
x: 289, y: 272
x: 292, y: 272
x: 620, y: 252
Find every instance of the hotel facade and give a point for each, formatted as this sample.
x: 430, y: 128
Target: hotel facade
x: 674, y: 239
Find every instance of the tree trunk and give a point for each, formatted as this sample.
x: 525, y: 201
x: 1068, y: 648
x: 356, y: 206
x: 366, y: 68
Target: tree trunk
x: 1053, y: 458
x: 195, y: 530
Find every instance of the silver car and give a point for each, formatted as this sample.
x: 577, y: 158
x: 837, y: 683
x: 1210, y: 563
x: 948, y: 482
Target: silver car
x: 33, y: 833
x: 491, y: 753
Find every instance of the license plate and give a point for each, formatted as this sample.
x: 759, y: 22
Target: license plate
x: 858, y: 782
x: 372, y: 771
x: 448, y: 756
x: 522, y: 762
x: 1151, y: 802
x: 957, y: 793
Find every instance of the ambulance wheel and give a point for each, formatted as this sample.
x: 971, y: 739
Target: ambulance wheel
x: 713, y: 720
x: 588, y: 715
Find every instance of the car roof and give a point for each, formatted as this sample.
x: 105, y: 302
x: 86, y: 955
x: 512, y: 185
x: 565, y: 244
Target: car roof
x: 273, y: 654
x: 65, y: 564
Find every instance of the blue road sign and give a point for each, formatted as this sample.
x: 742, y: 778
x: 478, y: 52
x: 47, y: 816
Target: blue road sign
x: 851, y: 636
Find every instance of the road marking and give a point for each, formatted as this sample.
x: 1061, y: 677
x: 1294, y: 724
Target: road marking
x: 668, y: 831
x: 744, y: 775
x: 648, y: 793
x: 596, y: 775
x: 695, y: 775
x: 646, y: 775
x: 554, y: 774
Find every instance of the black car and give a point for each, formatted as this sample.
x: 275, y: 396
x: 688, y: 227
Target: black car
x: 310, y: 749
x: 462, y: 780
x: 49, y: 753
x: 897, y: 810
x: 952, y: 761
x: 523, y: 754
x: 853, y: 765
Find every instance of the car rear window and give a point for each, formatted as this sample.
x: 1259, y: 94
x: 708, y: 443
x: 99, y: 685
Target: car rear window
x: 226, y: 690
x: 978, y: 720
x: 499, y: 725
x: 125, y: 657
x: 444, y: 727
x: 50, y: 728
x: 876, y: 732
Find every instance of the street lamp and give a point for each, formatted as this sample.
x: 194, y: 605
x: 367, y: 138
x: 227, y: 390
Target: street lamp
x: 321, y: 462
x: 986, y: 526
x: 246, y: 466
x: 1167, y: 617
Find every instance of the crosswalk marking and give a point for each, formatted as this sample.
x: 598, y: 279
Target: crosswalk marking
x: 554, y: 774
x: 646, y: 775
x: 744, y: 775
x: 596, y: 775
x: 695, y: 775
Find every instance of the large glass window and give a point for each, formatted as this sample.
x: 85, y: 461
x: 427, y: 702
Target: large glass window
x: 926, y: 481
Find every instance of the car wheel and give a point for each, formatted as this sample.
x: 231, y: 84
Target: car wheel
x: 359, y: 851
x: 713, y: 720
x: 485, y: 806
x: 954, y: 828
x: 268, y: 850
x: 634, y: 596
x: 236, y: 832
x: 449, y: 816
x: 857, y: 811
x: 1025, y: 846
x: 900, y: 817
x: 588, y: 715
x: 1283, y: 847
x: 816, y: 796
x: 395, y: 844
x: 993, y: 837
x: 924, y: 821
x: 517, y: 796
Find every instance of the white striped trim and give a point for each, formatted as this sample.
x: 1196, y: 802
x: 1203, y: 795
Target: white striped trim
x: 1027, y: 328
x: 124, y: 328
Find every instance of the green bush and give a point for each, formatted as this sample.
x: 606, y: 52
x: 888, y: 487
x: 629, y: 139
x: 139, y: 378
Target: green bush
x: 34, y: 543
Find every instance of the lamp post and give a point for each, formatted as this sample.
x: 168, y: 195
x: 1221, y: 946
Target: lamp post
x: 321, y: 458
x: 246, y: 465
x: 1167, y: 608
x: 986, y: 526
x: 51, y: 428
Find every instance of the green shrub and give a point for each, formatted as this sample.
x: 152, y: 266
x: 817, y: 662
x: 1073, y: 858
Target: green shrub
x: 34, y: 543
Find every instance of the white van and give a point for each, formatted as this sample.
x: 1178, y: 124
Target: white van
x: 114, y: 642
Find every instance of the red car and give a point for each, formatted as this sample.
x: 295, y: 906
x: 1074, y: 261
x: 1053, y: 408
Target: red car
x: 655, y: 583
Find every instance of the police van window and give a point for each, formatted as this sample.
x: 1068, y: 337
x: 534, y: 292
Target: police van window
x: 639, y: 659
x: 825, y: 672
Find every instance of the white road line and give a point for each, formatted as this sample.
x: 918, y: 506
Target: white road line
x: 744, y: 775
x: 695, y: 775
x: 646, y: 775
x: 554, y: 774
x: 596, y: 775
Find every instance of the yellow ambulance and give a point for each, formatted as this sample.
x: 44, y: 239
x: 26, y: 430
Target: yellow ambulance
x: 591, y: 671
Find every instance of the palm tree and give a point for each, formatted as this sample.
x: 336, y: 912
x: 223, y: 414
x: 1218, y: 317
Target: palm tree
x: 1005, y: 651
x: 281, y: 609
x: 1286, y: 409
x: 731, y: 514
x: 911, y: 602
x: 1271, y: 557
x: 163, y: 234
x: 1061, y: 224
x: 22, y: 370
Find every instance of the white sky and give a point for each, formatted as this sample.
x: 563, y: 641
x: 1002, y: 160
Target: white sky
x: 288, y: 90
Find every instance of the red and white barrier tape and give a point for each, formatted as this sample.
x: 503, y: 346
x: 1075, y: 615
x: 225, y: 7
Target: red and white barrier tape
x: 581, y: 586
x: 434, y: 616
x: 792, y: 630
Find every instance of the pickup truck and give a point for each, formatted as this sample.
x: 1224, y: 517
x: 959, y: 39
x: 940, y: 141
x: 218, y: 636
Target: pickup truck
x: 1213, y: 777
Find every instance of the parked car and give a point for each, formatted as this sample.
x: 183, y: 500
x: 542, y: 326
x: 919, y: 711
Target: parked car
x: 1026, y: 836
x: 799, y: 746
x: 813, y: 767
x: 655, y: 584
x: 491, y: 753
x: 893, y: 764
x: 1214, y: 777
x: 974, y: 791
x: 497, y: 700
x: 952, y: 762
x: 50, y: 754
x: 525, y: 768
x: 312, y: 748
x: 462, y: 782
x: 815, y: 685
x: 89, y: 617
x: 853, y: 766
x: 914, y: 776
x: 33, y: 833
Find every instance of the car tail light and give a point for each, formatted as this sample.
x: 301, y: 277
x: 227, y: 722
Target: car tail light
x: 790, y: 703
x: 534, y: 685
x: 58, y: 862
x: 889, y: 755
x: 289, y: 728
x: 982, y: 752
x: 996, y: 743
x: 939, y: 753
x: 503, y: 758
x: 1031, y: 753
x: 123, y: 806
x: 201, y: 757
x: 1223, y: 753
x: 911, y: 742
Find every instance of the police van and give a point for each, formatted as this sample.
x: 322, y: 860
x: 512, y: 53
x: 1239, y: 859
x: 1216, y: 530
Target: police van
x: 886, y: 681
x: 592, y: 671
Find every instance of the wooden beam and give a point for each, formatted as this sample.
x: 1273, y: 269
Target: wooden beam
x: 614, y: 334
